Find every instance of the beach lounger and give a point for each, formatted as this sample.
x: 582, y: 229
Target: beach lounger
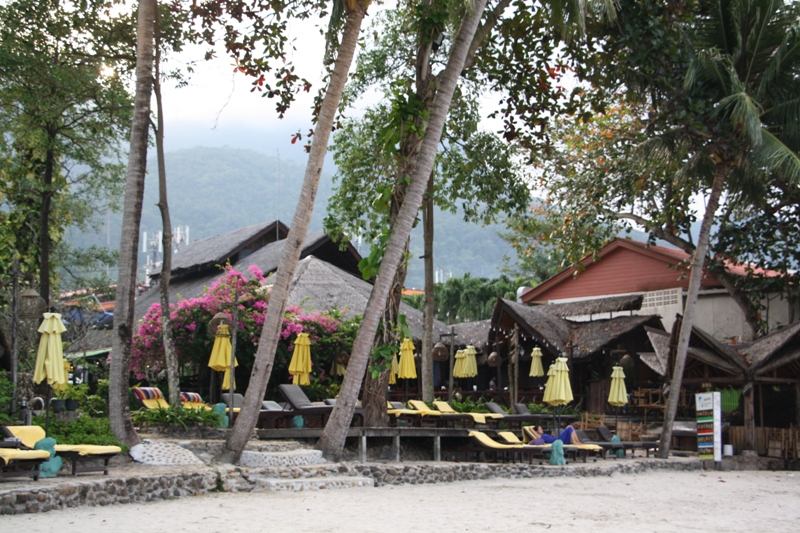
x: 477, y: 418
x: 483, y: 443
x: 82, y: 457
x: 512, y: 419
x: 192, y: 400
x: 582, y: 451
x: 150, y: 397
x: 16, y: 462
x: 302, y: 405
x: 606, y: 436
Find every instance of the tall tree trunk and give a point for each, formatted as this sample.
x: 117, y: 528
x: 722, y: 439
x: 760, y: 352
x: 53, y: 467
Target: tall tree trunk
x: 270, y: 334
x: 119, y: 412
x: 376, y: 390
x: 173, y: 379
x: 418, y: 170
x: 44, y: 222
x: 690, y: 307
x: 430, y: 297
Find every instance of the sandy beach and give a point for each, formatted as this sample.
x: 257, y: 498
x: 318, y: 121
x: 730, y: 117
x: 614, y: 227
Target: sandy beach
x: 652, y: 501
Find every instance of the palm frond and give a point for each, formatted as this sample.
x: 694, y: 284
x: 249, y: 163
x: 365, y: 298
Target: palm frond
x: 745, y: 115
x: 774, y: 155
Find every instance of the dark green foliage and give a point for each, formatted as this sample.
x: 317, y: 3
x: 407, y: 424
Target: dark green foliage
x: 176, y: 416
x: 6, y: 392
x: 84, y: 430
x: 468, y: 405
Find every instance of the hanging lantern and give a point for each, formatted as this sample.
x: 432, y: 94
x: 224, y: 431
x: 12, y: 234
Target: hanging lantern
x: 219, y: 318
x: 31, y: 305
x: 494, y: 359
x: 440, y: 352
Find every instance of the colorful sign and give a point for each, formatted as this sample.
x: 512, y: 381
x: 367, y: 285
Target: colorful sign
x: 709, y: 425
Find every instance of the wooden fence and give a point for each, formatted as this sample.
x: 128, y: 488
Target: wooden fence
x: 772, y: 442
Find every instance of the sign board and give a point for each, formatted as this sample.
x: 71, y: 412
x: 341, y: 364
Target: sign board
x: 709, y: 425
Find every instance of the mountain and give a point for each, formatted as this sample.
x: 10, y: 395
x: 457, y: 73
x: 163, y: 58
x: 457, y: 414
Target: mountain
x: 217, y: 189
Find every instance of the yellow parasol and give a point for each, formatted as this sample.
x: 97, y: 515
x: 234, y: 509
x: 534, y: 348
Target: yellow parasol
x: 300, y: 366
x: 459, y: 364
x: 50, y: 358
x: 549, y: 387
x: 537, y: 370
x: 393, y: 371
x: 220, y: 359
x: 407, y: 368
x: 618, y: 395
x: 562, y: 390
x: 469, y: 365
x: 337, y: 369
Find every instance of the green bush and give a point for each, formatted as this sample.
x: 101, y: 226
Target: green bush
x: 176, y: 416
x: 469, y: 406
x: 84, y: 430
x: 6, y: 395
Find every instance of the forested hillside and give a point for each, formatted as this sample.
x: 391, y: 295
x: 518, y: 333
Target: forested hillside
x: 214, y: 190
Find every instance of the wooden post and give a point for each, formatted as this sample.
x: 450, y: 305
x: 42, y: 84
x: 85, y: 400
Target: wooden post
x: 516, y: 364
x: 749, y: 417
x: 437, y: 448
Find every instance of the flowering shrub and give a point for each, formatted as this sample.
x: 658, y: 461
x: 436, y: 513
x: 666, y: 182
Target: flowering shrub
x: 328, y: 332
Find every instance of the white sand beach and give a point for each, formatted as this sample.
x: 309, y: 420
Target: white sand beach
x: 662, y: 501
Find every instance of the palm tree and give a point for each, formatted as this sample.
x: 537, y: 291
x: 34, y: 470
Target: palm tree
x: 420, y: 167
x: 746, y: 56
x: 119, y: 412
x: 270, y: 334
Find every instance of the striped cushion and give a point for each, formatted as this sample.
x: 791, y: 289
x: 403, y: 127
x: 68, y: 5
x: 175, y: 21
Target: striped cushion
x: 151, y: 397
x: 191, y: 397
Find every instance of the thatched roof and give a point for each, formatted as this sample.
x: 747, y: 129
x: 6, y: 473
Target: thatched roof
x: 660, y: 342
x: 320, y: 286
x: 558, y: 335
x: 595, y: 335
x: 597, y: 306
x: 474, y: 333
x: 536, y: 323
x: 655, y: 363
x: 207, y: 253
x: 94, y: 340
x: 772, y: 351
x: 266, y: 259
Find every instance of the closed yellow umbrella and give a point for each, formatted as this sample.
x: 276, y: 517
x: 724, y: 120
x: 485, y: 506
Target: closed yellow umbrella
x: 220, y: 359
x: 394, y: 370
x: 50, y: 357
x: 407, y: 368
x: 300, y: 366
x: 469, y: 364
x: 537, y: 370
x: 337, y: 369
x: 562, y: 390
x: 458, y: 366
x: 548, y: 387
x: 618, y: 395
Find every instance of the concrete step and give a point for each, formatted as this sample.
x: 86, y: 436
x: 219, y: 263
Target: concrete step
x: 303, y: 484
x: 301, y: 457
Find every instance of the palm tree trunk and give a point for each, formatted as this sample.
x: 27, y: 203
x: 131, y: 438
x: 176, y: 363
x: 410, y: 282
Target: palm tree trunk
x: 419, y: 169
x: 44, y: 221
x: 695, y: 278
x: 173, y: 379
x: 265, y: 355
x: 119, y: 412
x: 430, y: 298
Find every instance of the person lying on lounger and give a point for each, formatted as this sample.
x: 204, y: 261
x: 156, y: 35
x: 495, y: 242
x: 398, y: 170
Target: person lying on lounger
x: 567, y: 436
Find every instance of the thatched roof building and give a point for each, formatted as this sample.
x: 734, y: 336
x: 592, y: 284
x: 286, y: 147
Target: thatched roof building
x: 474, y: 333
x: 232, y: 246
x: 192, y: 284
x: 597, y: 306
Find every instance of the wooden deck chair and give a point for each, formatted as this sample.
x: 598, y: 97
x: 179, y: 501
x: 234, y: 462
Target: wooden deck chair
x: 632, y: 445
x: 477, y: 418
x: 83, y: 457
x: 16, y: 460
x: 582, y: 451
x: 150, y: 397
x: 483, y: 443
x: 192, y: 400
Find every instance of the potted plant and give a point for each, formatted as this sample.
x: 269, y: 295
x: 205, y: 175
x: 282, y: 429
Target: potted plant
x: 72, y: 396
x: 58, y: 402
